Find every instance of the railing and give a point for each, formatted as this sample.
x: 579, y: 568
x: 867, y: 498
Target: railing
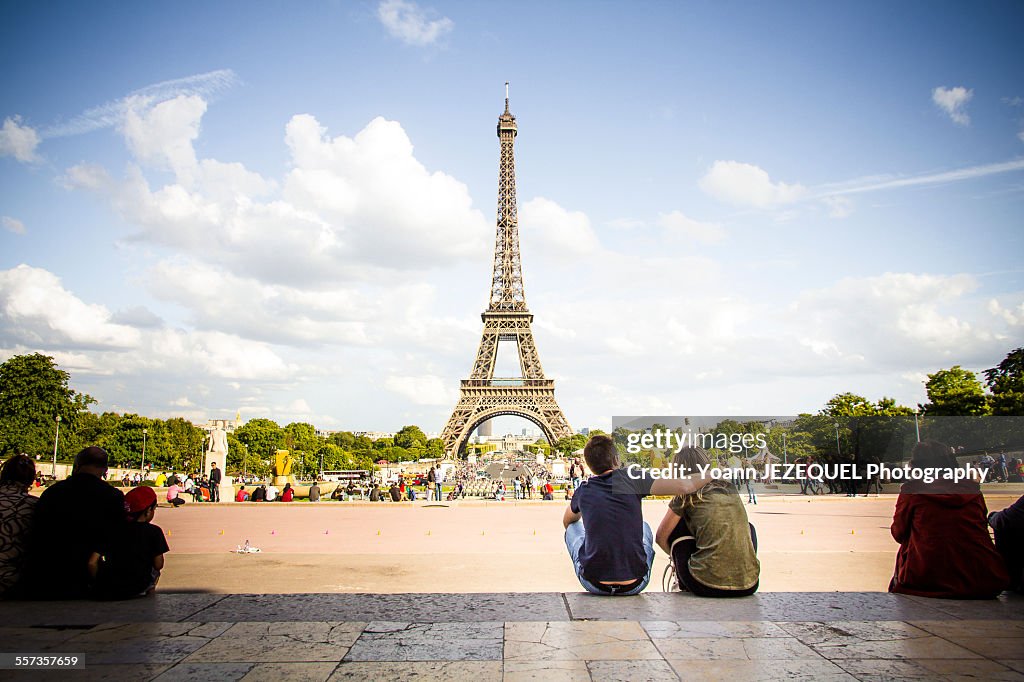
x: 504, y: 383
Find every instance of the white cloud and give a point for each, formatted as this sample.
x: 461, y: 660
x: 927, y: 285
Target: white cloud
x: 677, y: 224
x: 425, y: 389
x: 348, y: 208
x: 839, y: 207
x: 879, y: 183
x: 954, y: 101
x: 161, y: 136
x: 37, y: 310
x: 12, y: 224
x: 1012, y: 315
x: 748, y: 185
x: 19, y: 141
x: 410, y: 24
x: 554, y: 231
x: 112, y: 114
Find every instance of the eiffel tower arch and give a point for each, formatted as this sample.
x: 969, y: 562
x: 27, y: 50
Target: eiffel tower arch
x: 530, y: 395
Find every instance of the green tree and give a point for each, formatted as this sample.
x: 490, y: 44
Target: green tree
x: 435, y: 448
x: 33, y: 393
x: 300, y: 436
x: 261, y: 437
x: 1006, y: 382
x: 343, y: 439
x: 408, y: 436
x: 570, y: 444
x: 955, y: 392
x: 185, y: 443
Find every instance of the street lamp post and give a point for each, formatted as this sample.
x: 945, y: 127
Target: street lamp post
x: 838, y: 449
x: 785, y: 457
x: 56, y: 439
x: 143, y: 468
x: 917, y: 427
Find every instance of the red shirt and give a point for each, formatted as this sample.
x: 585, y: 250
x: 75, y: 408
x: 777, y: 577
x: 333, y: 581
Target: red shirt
x: 241, y: 496
x: 945, y: 549
x: 287, y: 495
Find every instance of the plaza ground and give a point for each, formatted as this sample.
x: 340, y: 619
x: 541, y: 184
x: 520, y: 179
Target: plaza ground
x: 483, y: 591
x: 819, y: 544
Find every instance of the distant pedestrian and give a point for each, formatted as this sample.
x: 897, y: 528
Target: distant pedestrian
x: 242, y: 495
x: 314, y: 492
x: 215, y: 478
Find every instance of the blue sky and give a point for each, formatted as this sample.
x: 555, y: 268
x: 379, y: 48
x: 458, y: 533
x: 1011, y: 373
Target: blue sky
x: 724, y: 207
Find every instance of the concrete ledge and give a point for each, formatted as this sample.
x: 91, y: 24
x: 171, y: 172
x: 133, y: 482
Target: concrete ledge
x: 508, y: 607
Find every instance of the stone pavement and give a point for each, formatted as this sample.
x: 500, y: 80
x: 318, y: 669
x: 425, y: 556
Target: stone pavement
x: 523, y: 636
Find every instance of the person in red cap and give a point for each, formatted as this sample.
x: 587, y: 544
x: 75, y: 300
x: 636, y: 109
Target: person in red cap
x: 132, y: 564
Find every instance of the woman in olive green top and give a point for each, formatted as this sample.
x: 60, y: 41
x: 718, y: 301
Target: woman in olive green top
x: 712, y: 544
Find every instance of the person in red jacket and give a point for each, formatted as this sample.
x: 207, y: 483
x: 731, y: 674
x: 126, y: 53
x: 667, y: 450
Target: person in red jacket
x: 945, y: 549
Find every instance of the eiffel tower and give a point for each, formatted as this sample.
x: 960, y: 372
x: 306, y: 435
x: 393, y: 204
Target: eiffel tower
x: 483, y: 396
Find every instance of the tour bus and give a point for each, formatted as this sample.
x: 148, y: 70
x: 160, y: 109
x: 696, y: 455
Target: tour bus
x: 345, y: 475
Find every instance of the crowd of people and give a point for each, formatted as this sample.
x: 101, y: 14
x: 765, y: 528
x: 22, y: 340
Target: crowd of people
x: 81, y: 538
x: 942, y: 527
x: 85, y: 538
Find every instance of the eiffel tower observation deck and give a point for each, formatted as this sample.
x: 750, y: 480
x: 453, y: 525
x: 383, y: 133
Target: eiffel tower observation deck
x: 507, y: 318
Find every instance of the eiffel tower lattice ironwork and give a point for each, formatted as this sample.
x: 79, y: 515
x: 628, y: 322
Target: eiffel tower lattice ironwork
x: 483, y: 396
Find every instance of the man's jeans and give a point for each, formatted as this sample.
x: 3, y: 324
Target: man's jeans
x: 574, y: 536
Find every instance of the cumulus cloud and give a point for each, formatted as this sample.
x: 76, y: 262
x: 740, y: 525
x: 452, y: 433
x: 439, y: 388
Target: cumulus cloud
x: 161, y: 136
x: 19, y: 141
x: 425, y: 389
x: 347, y: 208
x: 12, y: 224
x: 916, y: 319
x: 748, y: 185
x: 410, y: 24
x: 554, y: 231
x: 953, y: 101
x: 37, y: 309
x: 677, y: 224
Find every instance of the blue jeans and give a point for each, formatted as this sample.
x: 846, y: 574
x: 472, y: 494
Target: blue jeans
x: 574, y: 536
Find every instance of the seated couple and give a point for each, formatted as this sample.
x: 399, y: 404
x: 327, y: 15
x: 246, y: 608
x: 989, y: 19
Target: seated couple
x: 705, y: 528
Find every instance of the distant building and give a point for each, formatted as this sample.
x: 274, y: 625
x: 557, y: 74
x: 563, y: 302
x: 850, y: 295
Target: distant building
x: 486, y: 429
x: 584, y: 432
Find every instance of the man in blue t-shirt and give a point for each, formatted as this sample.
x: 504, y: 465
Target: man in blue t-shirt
x: 611, y: 545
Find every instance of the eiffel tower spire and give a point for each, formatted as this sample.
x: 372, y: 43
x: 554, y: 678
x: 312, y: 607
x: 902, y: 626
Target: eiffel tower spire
x: 507, y: 275
x: 531, y: 395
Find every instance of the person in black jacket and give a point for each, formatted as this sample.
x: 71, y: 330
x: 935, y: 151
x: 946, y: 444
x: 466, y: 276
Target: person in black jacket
x: 74, y: 518
x: 1009, y: 531
x: 215, y: 477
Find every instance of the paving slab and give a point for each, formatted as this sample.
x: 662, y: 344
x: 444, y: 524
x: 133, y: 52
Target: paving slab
x: 281, y: 642
x: 449, y: 671
x: 761, y: 671
x: 394, y: 641
x: 578, y: 641
x: 771, y: 606
x: 167, y: 607
x: 1008, y: 606
x: 407, y: 608
x: 290, y: 672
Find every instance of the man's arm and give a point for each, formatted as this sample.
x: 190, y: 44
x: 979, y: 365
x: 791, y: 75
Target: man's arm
x: 678, y: 486
x: 570, y: 517
x: 668, y: 524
